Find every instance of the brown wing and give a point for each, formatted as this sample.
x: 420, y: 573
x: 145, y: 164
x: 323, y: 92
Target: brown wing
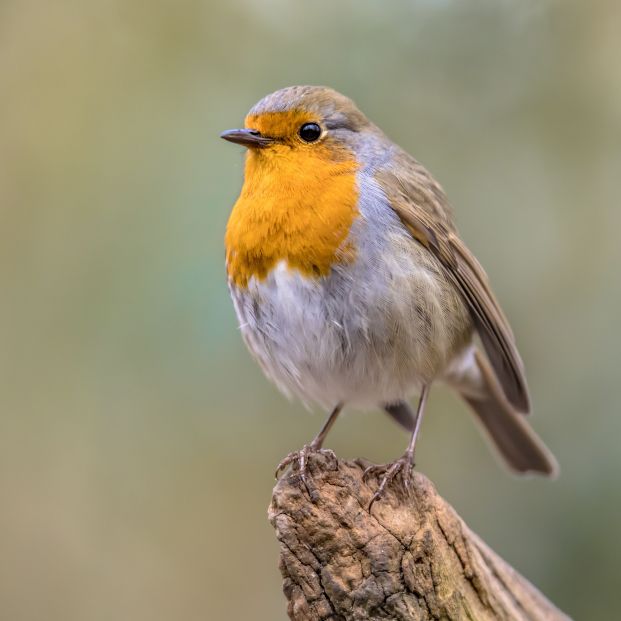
x: 422, y: 207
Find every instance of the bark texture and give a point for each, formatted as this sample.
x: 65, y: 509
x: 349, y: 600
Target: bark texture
x: 412, y: 558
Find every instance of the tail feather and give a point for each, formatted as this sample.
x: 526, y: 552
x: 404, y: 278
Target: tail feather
x: 517, y: 443
x: 403, y: 414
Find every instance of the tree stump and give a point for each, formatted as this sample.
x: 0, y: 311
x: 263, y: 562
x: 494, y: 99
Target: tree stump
x: 411, y: 558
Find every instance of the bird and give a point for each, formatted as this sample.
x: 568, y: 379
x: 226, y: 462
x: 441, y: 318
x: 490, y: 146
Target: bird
x: 353, y: 288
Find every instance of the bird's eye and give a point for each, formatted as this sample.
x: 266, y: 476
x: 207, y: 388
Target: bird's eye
x: 310, y: 132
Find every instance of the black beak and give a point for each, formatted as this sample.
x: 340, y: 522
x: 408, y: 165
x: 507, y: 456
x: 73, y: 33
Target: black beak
x: 247, y: 137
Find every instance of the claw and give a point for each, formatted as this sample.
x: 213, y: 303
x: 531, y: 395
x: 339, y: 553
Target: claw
x: 331, y: 454
x: 301, y: 458
x: 285, y: 462
x: 372, y: 470
x: 403, y: 465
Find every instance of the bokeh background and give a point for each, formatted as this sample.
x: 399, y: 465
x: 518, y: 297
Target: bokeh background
x: 137, y: 437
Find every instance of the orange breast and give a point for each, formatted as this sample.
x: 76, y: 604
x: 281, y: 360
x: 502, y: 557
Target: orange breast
x: 296, y: 205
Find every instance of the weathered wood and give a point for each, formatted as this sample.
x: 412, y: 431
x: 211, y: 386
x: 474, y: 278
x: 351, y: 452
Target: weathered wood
x: 412, y: 558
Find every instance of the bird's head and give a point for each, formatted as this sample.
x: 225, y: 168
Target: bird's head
x: 305, y: 146
x: 302, y: 124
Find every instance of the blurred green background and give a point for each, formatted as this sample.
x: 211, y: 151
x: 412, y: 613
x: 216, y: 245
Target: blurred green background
x: 137, y: 437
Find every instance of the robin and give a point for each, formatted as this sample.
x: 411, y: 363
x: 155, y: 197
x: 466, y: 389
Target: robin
x: 352, y: 286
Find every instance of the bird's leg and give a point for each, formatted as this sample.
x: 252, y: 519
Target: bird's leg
x: 405, y: 463
x: 301, y: 456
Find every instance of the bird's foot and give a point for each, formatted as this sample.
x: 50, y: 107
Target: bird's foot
x: 390, y: 471
x: 299, y: 459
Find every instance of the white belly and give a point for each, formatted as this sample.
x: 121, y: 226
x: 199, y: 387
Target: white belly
x: 368, y: 334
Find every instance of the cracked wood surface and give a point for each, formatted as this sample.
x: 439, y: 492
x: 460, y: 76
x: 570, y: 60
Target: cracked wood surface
x: 413, y: 558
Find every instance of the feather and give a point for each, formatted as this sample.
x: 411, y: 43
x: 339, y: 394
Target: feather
x: 421, y: 205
